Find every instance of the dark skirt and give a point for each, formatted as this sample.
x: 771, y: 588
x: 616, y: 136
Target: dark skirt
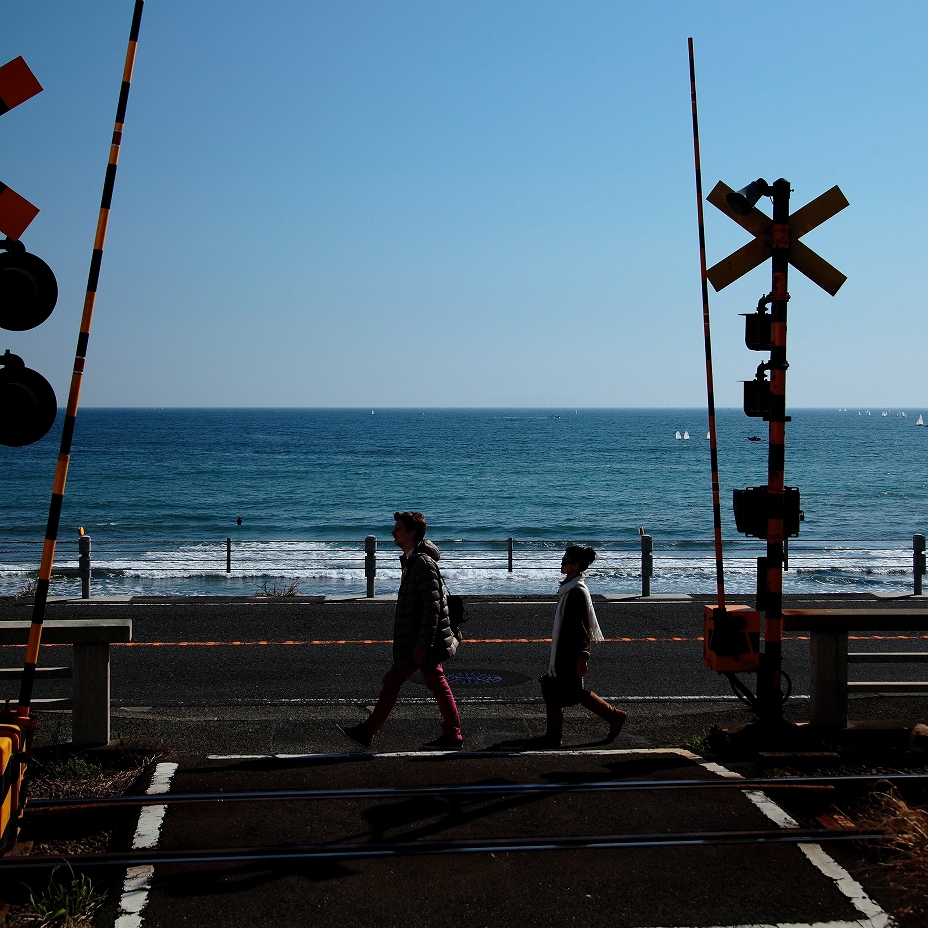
x: 566, y: 689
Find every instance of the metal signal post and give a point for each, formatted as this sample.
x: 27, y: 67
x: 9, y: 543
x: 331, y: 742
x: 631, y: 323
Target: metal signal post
x: 771, y: 512
x: 770, y: 702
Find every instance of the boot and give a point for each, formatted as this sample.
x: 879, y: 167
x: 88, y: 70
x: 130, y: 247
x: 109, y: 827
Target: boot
x: 555, y: 731
x: 615, y: 717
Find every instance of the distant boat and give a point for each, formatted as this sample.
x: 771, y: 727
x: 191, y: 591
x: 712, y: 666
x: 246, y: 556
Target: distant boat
x: 920, y: 420
x: 884, y: 413
x: 904, y: 416
x: 858, y: 412
x: 708, y: 435
x: 686, y: 436
x: 678, y: 436
x: 868, y: 412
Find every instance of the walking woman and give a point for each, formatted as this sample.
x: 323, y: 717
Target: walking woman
x: 575, y: 628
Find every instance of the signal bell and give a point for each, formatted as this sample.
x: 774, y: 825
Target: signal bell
x: 28, y: 406
x: 743, y: 201
x: 28, y: 289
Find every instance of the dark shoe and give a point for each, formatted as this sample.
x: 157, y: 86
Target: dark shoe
x: 555, y: 729
x: 358, y: 734
x: 615, y: 725
x: 446, y: 743
x: 599, y: 706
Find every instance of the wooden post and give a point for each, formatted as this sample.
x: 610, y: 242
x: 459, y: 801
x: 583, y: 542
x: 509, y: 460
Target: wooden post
x: 228, y: 555
x: 510, y: 555
x: 370, y: 563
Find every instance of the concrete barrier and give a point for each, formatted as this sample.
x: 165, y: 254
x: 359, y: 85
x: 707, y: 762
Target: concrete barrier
x: 90, y: 640
x: 828, y: 630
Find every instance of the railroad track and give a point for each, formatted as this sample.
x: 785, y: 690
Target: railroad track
x: 358, y: 850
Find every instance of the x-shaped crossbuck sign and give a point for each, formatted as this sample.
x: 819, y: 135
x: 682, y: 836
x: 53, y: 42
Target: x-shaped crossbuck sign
x: 745, y: 259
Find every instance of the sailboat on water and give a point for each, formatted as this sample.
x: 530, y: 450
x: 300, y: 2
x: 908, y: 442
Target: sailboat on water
x: 920, y: 420
x: 686, y: 436
x: 678, y: 436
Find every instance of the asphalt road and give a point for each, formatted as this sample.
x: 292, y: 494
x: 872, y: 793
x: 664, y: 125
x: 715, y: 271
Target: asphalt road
x: 275, y: 675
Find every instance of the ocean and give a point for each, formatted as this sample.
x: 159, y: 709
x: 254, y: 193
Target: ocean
x: 160, y: 490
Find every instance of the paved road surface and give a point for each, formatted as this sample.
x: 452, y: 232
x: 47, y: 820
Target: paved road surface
x: 274, y: 676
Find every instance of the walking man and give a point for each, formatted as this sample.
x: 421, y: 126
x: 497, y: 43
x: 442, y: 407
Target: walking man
x: 422, y: 637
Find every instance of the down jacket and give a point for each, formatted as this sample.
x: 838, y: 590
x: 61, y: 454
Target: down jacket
x: 421, y: 609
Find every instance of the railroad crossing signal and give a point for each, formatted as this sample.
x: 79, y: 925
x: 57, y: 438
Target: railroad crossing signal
x: 746, y: 258
x: 28, y: 293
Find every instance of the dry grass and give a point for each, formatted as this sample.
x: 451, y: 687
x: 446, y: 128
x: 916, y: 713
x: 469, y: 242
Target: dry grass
x: 27, y: 591
x: 902, y: 864
x: 77, y: 777
x: 276, y: 591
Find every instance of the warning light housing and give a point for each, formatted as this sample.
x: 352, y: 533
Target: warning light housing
x: 750, y: 507
x: 757, y: 397
x: 757, y: 334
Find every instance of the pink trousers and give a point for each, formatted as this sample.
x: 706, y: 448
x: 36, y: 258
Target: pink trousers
x: 435, y: 680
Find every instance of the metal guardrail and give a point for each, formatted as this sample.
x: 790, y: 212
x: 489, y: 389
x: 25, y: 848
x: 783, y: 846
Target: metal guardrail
x: 509, y: 554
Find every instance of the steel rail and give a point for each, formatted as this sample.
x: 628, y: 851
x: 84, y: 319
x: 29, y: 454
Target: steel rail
x: 476, y: 790
x: 358, y: 851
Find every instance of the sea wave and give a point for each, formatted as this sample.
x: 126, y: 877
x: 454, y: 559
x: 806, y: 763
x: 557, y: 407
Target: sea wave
x: 320, y: 567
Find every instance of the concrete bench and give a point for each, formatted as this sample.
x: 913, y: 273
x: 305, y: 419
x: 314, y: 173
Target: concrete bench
x: 829, y: 630
x: 90, y: 640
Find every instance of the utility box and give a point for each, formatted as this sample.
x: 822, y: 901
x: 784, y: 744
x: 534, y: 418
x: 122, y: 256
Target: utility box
x: 750, y: 507
x: 731, y: 639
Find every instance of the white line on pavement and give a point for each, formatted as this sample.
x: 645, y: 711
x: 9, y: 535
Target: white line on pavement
x: 452, y: 754
x: 137, y: 884
x: 874, y: 916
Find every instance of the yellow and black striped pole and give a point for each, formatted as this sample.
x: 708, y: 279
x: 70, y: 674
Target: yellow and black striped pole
x: 710, y: 386
x: 67, y: 432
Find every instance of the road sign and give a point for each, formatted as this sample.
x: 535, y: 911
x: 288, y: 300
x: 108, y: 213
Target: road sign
x: 17, y: 84
x: 746, y: 258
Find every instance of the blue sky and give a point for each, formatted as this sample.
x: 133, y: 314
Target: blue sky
x: 469, y: 204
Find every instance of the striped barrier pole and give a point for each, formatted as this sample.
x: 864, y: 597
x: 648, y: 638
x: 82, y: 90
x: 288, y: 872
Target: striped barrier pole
x: 67, y: 432
x: 770, y: 699
x: 710, y: 386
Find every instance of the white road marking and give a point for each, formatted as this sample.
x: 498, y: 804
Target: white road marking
x: 137, y: 884
x: 421, y: 700
x: 862, y: 923
x: 874, y: 916
x: 450, y: 754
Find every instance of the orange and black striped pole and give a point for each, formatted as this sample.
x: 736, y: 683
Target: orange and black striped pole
x: 769, y: 698
x: 67, y: 432
x: 710, y: 387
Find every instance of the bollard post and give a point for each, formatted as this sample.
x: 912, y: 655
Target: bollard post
x: 647, y: 562
x: 918, y: 562
x: 228, y: 555
x: 83, y: 564
x: 510, y: 555
x: 370, y: 563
